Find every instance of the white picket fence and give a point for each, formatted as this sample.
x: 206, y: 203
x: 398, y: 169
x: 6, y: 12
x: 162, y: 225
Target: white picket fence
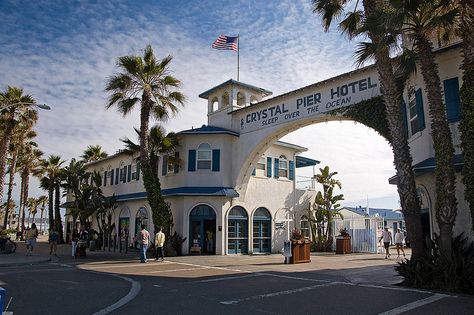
x: 364, y: 232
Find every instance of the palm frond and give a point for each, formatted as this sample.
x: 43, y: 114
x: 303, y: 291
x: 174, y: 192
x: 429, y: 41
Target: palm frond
x: 365, y: 51
x: 351, y: 24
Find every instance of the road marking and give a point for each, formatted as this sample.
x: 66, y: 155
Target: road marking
x: 229, y: 278
x: 213, y: 267
x: 413, y: 305
x: 157, y: 286
x: 134, y: 290
x: 171, y: 270
x: 294, y: 278
x: 269, y: 295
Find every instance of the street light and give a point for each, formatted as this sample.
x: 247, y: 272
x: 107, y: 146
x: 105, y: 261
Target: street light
x: 40, y: 106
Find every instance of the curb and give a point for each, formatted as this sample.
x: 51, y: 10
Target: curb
x: 25, y: 263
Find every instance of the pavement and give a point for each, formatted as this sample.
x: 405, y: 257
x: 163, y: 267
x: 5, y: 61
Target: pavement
x: 355, y: 268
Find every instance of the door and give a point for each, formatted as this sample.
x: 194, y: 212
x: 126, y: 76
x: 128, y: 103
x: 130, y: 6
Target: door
x: 202, y: 222
x: 261, y: 237
x: 237, y: 231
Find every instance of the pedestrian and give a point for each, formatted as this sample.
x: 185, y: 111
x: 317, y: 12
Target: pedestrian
x: 159, y: 242
x: 399, y: 243
x: 74, y: 239
x: 209, y: 241
x: 31, y: 236
x: 387, y: 239
x: 53, y: 240
x: 143, y: 238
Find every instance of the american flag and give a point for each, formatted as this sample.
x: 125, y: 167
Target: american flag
x: 224, y: 42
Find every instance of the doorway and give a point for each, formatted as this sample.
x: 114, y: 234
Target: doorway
x: 237, y: 233
x: 202, y: 229
x: 262, y: 231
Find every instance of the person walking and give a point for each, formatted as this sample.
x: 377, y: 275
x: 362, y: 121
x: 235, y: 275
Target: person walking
x: 53, y: 240
x: 31, y: 236
x: 399, y: 243
x: 209, y: 241
x: 143, y: 238
x: 159, y: 242
x: 387, y: 239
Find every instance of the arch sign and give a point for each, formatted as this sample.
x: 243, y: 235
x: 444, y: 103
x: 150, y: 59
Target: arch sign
x: 310, y: 101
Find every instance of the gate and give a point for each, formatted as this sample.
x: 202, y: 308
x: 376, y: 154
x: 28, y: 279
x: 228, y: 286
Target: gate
x: 364, y: 233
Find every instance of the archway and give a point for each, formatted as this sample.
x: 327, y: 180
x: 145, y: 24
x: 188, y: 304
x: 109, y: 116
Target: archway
x: 262, y: 231
x: 202, y: 228
x: 124, y: 222
x: 237, y: 231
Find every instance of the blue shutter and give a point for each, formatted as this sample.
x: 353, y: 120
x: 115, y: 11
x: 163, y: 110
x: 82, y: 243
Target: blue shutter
x: 129, y: 173
x: 277, y: 168
x: 291, y: 174
x: 176, y: 166
x: 137, y: 177
x: 403, y: 109
x: 420, y: 114
x: 191, y: 160
x: 105, y: 178
x: 111, y: 177
x: 117, y: 176
x: 269, y: 167
x: 164, y: 165
x: 216, y: 160
x: 452, y: 99
x: 253, y: 172
x: 124, y: 174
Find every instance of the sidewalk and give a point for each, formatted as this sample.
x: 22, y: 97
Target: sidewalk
x: 64, y: 255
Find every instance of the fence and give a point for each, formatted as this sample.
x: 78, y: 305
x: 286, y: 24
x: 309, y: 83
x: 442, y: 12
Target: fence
x: 364, y: 233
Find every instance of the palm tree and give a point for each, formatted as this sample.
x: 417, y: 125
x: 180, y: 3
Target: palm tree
x: 14, y: 107
x: 32, y: 204
x: 42, y: 200
x: 420, y: 21
x: 28, y: 163
x: 379, y: 48
x: 93, y: 153
x: 21, y: 133
x: 51, y: 181
x: 147, y: 81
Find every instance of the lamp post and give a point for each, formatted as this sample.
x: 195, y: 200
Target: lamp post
x: 41, y: 106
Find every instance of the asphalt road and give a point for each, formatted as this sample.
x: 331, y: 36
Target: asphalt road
x: 184, y: 286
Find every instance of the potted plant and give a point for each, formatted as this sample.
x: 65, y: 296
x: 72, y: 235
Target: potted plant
x: 343, y: 242
x: 300, y: 248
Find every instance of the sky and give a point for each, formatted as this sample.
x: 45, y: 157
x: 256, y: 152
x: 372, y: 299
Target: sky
x: 63, y: 52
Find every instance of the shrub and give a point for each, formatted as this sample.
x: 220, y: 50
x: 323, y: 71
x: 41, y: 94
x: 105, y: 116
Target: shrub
x: 439, y: 272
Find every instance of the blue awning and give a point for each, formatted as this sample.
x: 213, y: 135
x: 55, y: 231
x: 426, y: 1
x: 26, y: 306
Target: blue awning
x: 302, y: 161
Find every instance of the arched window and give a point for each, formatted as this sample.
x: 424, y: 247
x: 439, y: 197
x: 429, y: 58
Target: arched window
x: 304, y: 226
x: 237, y: 232
x: 215, y: 104
x: 240, y: 99
x: 262, y: 235
x: 204, y: 157
x: 225, y: 99
x: 283, y: 167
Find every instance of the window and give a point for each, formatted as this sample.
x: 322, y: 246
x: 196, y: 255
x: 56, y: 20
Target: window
x: 283, y: 168
x: 240, y: 99
x: 204, y: 157
x: 261, y: 163
x: 215, y: 104
x: 413, y: 116
x: 304, y: 226
x: 416, y: 114
x: 225, y: 99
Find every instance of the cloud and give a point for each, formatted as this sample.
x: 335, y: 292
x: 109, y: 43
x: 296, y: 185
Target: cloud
x: 63, y: 53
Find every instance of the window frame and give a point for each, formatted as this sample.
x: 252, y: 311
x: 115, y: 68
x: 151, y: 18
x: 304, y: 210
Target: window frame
x: 283, y: 171
x: 204, y: 148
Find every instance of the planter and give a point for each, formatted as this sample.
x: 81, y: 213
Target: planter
x: 343, y: 245
x: 300, y: 252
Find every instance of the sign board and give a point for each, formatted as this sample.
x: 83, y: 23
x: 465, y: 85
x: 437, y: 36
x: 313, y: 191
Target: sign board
x: 279, y: 225
x: 313, y: 103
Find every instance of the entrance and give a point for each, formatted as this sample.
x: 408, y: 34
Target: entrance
x: 262, y: 231
x: 202, y: 229
x: 141, y: 218
x: 237, y: 233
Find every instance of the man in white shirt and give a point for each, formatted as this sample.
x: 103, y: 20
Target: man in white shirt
x: 399, y: 243
x: 387, y: 239
x: 159, y: 242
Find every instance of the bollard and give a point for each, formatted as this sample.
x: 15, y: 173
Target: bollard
x: 3, y: 296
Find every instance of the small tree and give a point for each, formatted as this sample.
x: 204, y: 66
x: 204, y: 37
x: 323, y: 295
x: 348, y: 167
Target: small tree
x: 325, y: 209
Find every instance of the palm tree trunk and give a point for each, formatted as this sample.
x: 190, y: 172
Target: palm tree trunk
x: 51, y: 206
x: 446, y: 203
x: 25, y: 184
x: 466, y: 125
x: 406, y: 185
x: 58, y: 221
x: 11, y: 181
x: 41, y: 218
x: 4, y: 143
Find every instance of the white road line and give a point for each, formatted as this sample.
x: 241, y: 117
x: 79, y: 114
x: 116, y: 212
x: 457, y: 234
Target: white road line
x: 413, y: 305
x: 269, y: 295
x: 294, y: 278
x: 134, y: 290
x: 213, y: 267
x: 229, y: 278
x: 171, y: 270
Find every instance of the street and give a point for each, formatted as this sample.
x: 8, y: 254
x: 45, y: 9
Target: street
x: 219, y: 284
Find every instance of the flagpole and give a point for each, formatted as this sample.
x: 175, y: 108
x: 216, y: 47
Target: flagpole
x: 238, y: 56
